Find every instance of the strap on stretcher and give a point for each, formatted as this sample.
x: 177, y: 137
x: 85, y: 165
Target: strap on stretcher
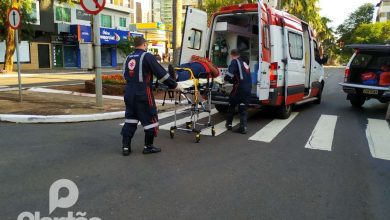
x: 195, y: 80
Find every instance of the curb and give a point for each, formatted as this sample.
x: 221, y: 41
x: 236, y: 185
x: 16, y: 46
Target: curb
x: 32, y: 119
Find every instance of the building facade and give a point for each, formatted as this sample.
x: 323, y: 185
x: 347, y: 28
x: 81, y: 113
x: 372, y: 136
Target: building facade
x: 63, y: 36
x: 383, y: 13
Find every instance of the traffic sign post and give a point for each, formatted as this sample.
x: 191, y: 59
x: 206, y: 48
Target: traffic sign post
x: 94, y: 7
x: 14, y: 21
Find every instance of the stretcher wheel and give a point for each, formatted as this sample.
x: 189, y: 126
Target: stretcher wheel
x: 172, y: 132
x: 197, y: 137
x: 213, y: 131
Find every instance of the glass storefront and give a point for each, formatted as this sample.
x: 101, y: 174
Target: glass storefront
x: 57, y: 56
x: 70, y: 56
x: 106, y: 53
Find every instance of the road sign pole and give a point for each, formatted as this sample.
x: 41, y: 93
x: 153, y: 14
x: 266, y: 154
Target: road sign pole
x: 98, y: 62
x: 17, y: 57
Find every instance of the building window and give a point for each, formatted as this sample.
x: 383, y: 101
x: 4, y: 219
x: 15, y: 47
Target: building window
x: 35, y: 12
x: 388, y: 16
x: 195, y: 39
x: 122, y: 22
x: 63, y: 14
x: 295, y: 42
x: 105, y: 21
x: 386, y: 3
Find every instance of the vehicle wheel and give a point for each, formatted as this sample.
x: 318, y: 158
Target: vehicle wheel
x: 213, y: 131
x: 357, y: 101
x: 189, y: 125
x: 172, y: 132
x: 222, y: 108
x: 284, y: 111
x: 197, y: 137
x: 319, y: 96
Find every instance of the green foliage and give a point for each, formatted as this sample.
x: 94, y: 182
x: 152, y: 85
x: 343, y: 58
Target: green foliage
x: 126, y: 47
x: 378, y: 33
x: 347, y: 30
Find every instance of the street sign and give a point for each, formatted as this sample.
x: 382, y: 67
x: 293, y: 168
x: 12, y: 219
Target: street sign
x: 93, y: 6
x: 14, y: 18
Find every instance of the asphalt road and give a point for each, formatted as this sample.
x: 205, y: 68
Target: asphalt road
x: 223, y: 177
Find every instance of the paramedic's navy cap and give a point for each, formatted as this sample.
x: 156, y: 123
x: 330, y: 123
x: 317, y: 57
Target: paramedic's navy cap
x: 138, y: 41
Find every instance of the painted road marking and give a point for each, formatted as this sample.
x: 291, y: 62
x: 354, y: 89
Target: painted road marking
x: 322, y: 136
x: 220, y: 128
x: 167, y: 114
x: 186, y: 119
x: 272, y: 129
x: 378, y: 137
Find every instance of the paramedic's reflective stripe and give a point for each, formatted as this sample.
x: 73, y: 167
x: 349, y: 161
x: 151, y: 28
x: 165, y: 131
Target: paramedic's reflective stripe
x: 124, y: 66
x: 164, y: 78
x: 140, y: 75
x: 151, y: 126
x: 240, y: 69
x: 131, y: 121
x: 229, y: 74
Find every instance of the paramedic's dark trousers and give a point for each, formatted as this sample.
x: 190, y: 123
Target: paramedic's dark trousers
x: 242, y: 111
x: 139, y: 108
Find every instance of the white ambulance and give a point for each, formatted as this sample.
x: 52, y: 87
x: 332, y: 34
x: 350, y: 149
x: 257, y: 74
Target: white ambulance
x: 283, y: 46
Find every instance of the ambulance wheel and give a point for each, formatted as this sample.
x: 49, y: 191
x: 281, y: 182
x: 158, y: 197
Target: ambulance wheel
x: 197, y: 137
x: 356, y: 101
x: 213, y: 131
x: 284, y: 111
x: 172, y: 132
x: 222, y: 108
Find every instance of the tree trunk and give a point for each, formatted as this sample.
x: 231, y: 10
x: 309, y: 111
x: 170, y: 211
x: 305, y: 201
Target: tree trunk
x: 10, y: 44
x: 177, y: 35
x: 9, y: 50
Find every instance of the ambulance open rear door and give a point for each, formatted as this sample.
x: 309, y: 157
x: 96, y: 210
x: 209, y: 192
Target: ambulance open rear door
x: 263, y: 80
x: 195, y: 35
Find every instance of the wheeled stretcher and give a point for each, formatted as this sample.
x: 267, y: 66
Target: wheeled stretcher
x: 197, y: 95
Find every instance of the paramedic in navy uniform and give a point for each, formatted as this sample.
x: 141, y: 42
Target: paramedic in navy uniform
x: 239, y: 75
x: 138, y: 71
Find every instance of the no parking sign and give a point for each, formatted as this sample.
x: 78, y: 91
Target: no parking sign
x: 93, y: 6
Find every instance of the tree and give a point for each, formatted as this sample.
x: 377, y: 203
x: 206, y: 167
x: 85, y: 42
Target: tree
x: 8, y: 34
x: 363, y: 15
x: 377, y: 33
x: 177, y: 31
x: 126, y: 47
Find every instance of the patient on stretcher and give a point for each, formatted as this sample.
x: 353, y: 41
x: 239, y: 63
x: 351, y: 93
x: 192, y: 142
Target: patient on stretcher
x: 200, y: 67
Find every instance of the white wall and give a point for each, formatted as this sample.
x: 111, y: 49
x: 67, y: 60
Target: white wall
x: 24, y: 52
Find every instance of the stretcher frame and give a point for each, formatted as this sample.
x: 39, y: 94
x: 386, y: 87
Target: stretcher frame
x: 197, y: 106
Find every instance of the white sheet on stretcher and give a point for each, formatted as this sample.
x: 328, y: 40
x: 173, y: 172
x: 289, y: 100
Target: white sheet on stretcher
x: 190, y: 83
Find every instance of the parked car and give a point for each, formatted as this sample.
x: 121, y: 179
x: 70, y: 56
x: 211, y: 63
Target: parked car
x: 367, y: 74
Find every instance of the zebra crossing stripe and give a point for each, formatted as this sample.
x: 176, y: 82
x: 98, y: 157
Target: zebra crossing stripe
x: 378, y: 137
x: 186, y: 119
x: 323, y: 133
x: 167, y: 114
x: 272, y: 129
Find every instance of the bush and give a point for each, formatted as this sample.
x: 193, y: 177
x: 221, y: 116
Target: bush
x: 115, y: 79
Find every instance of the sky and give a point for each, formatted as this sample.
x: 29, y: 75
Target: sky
x: 339, y: 10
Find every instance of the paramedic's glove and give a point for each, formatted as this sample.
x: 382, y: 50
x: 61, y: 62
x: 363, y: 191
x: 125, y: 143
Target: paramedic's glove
x: 179, y: 88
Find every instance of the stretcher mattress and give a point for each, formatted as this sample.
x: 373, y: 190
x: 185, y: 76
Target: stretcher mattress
x: 190, y: 83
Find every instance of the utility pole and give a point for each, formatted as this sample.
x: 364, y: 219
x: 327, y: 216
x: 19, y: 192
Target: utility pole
x: 98, y: 61
x: 177, y: 34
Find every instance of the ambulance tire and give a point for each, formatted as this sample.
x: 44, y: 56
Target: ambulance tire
x: 356, y: 100
x: 222, y: 108
x: 284, y: 111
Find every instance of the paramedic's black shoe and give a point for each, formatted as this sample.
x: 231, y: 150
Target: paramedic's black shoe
x: 241, y: 130
x: 151, y: 150
x: 171, y: 72
x: 126, y: 151
x: 228, y: 127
